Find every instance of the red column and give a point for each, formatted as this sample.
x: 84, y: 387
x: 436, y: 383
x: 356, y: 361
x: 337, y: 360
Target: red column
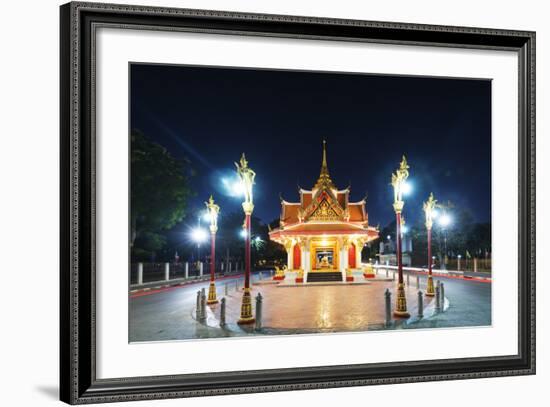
x: 430, y: 251
x: 212, y: 256
x: 398, y: 250
x: 296, y: 257
x: 351, y: 256
x: 247, y: 253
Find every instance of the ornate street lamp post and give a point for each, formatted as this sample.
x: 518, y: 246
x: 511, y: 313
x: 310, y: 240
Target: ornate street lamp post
x: 398, y: 181
x: 246, y: 176
x: 429, y: 207
x: 213, y: 211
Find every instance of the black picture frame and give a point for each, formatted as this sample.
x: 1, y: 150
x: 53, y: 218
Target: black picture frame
x: 78, y: 382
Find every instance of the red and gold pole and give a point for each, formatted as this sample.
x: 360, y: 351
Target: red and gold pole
x: 212, y: 299
x: 247, y: 179
x: 429, y: 207
x: 430, y: 289
x: 398, y: 180
x: 213, y: 210
x: 246, y: 306
x: 401, y: 305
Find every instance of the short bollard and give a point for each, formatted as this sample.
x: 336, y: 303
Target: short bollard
x: 393, y: 276
x: 167, y: 271
x: 140, y: 273
x: 222, y: 312
x: 387, y: 298
x: 226, y: 289
x: 201, y: 269
x: 408, y: 279
x: 420, y: 304
x: 417, y: 282
x: 186, y: 270
x: 203, y: 304
x: 442, y: 293
x: 258, y: 321
x: 261, y: 276
x: 387, y: 272
x: 437, y: 298
x: 198, y: 309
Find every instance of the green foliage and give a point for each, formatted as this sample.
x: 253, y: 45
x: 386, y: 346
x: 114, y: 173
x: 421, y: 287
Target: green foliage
x: 159, y: 192
x: 230, y: 243
x: 147, y: 245
x: 462, y: 235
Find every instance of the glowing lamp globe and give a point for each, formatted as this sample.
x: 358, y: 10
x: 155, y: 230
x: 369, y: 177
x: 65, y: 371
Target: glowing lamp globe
x: 445, y: 220
x: 199, y: 235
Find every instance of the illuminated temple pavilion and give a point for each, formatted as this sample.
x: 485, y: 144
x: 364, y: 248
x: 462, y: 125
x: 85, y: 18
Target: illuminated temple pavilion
x: 324, y: 233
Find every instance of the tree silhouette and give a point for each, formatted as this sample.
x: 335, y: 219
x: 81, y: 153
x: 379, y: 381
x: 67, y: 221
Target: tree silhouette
x: 159, y: 193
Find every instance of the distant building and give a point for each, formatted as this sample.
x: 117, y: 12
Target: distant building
x: 389, y: 245
x: 387, y: 251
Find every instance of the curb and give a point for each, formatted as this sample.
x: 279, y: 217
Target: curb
x: 164, y: 286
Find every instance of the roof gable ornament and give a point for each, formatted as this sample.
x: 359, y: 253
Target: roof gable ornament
x: 324, y: 212
x: 323, y: 207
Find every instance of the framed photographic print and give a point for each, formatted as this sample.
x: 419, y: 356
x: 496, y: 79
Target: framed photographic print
x: 350, y: 202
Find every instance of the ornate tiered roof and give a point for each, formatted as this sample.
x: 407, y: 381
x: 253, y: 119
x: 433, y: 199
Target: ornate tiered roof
x: 323, y: 209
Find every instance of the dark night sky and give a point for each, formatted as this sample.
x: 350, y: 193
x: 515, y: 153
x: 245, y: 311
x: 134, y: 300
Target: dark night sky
x: 279, y: 119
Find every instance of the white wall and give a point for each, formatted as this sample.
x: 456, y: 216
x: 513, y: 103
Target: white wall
x: 29, y: 200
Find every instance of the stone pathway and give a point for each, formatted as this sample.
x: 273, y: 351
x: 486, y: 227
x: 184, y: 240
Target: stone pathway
x: 304, y: 309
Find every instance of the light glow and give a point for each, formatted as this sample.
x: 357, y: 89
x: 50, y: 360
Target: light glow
x: 406, y: 188
x: 207, y: 217
x: 233, y: 187
x: 445, y: 220
x: 199, y: 235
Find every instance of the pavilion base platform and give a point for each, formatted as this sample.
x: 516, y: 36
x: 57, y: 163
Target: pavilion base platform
x: 321, y: 284
x: 325, y: 276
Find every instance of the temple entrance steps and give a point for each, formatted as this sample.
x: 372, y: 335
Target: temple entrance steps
x: 324, y: 276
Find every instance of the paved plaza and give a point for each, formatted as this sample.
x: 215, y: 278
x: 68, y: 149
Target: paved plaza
x: 170, y: 313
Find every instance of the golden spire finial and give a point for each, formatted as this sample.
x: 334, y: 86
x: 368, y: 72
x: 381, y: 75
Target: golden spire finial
x: 404, y: 166
x: 244, y: 162
x: 324, y: 166
x: 324, y: 178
